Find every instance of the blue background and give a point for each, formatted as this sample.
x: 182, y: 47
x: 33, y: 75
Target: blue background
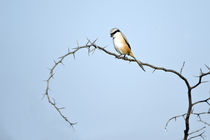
x: 109, y: 98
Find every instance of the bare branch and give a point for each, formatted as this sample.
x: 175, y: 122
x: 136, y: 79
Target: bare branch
x: 199, y: 135
x: 91, y: 46
x: 199, y: 117
x: 202, y: 101
x: 204, y: 122
x: 174, y: 118
x: 183, y: 115
x: 197, y: 130
x: 200, y: 78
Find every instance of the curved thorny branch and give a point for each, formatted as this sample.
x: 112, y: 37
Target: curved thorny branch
x: 91, y: 46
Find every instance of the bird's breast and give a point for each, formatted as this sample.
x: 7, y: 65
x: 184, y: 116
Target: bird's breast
x: 121, y: 46
x: 118, y: 43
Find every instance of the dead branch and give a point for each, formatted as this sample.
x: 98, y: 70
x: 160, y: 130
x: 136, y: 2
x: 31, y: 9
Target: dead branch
x: 199, y: 135
x: 202, y: 101
x: 183, y: 116
x: 174, y: 118
x: 200, y: 78
x: 91, y: 46
x: 197, y: 130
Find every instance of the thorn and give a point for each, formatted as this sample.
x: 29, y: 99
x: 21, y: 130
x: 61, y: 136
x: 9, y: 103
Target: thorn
x: 68, y: 50
x: 93, y: 50
x: 88, y: 41
x: 192, y: 110
x: 73, y: 123
x: 204, y: 81
x: 201, y: 72
x: 74, y: 55
x: 196, y: 76
x: 61, y: 61
x: 207, y: 67
x: 88, y: 51
x: 95, y: 41
x: 105, y: 46
x: 182, y: 67
x: 62, y: 108
x: 77, y: 44
x: 154, y: 70
x: 61, y: 57
x: 75, y: 48
x: 183, y: 116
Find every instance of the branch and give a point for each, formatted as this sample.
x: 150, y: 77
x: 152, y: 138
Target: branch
x: 200, y: 77
x: 202, y: 101
x: 200, y: 119
x: 60, y: 61
x: 174, y: 118
x: 204, y: 122
x: 91, y: 46
x: 199, y: 135
x: 183, y: 115
x: 197, y: 130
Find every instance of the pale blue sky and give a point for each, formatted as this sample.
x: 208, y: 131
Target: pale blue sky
x: 111, y: 99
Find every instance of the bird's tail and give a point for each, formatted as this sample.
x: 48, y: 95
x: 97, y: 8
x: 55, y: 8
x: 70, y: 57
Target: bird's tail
x: 138, y: 62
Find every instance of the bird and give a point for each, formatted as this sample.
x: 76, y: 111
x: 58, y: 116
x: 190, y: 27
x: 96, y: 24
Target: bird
x: 121, y: 45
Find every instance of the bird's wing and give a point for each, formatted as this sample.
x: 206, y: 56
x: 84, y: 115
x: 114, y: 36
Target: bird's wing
x: 126, y: 40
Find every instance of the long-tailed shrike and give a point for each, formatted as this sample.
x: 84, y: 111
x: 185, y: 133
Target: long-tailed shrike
x: 121, y: 44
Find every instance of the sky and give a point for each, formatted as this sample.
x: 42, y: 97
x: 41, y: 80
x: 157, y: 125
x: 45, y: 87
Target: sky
x: 109, y: 98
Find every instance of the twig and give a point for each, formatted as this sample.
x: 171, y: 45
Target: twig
x: 174, y: 118
x: 199, y: 135
x: 197, y: 130
x: 182, y: 67
x: 200, y: 79
x: 202, y: 101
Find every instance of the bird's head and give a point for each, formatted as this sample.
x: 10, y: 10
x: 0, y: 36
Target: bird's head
x: 114, y: 31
